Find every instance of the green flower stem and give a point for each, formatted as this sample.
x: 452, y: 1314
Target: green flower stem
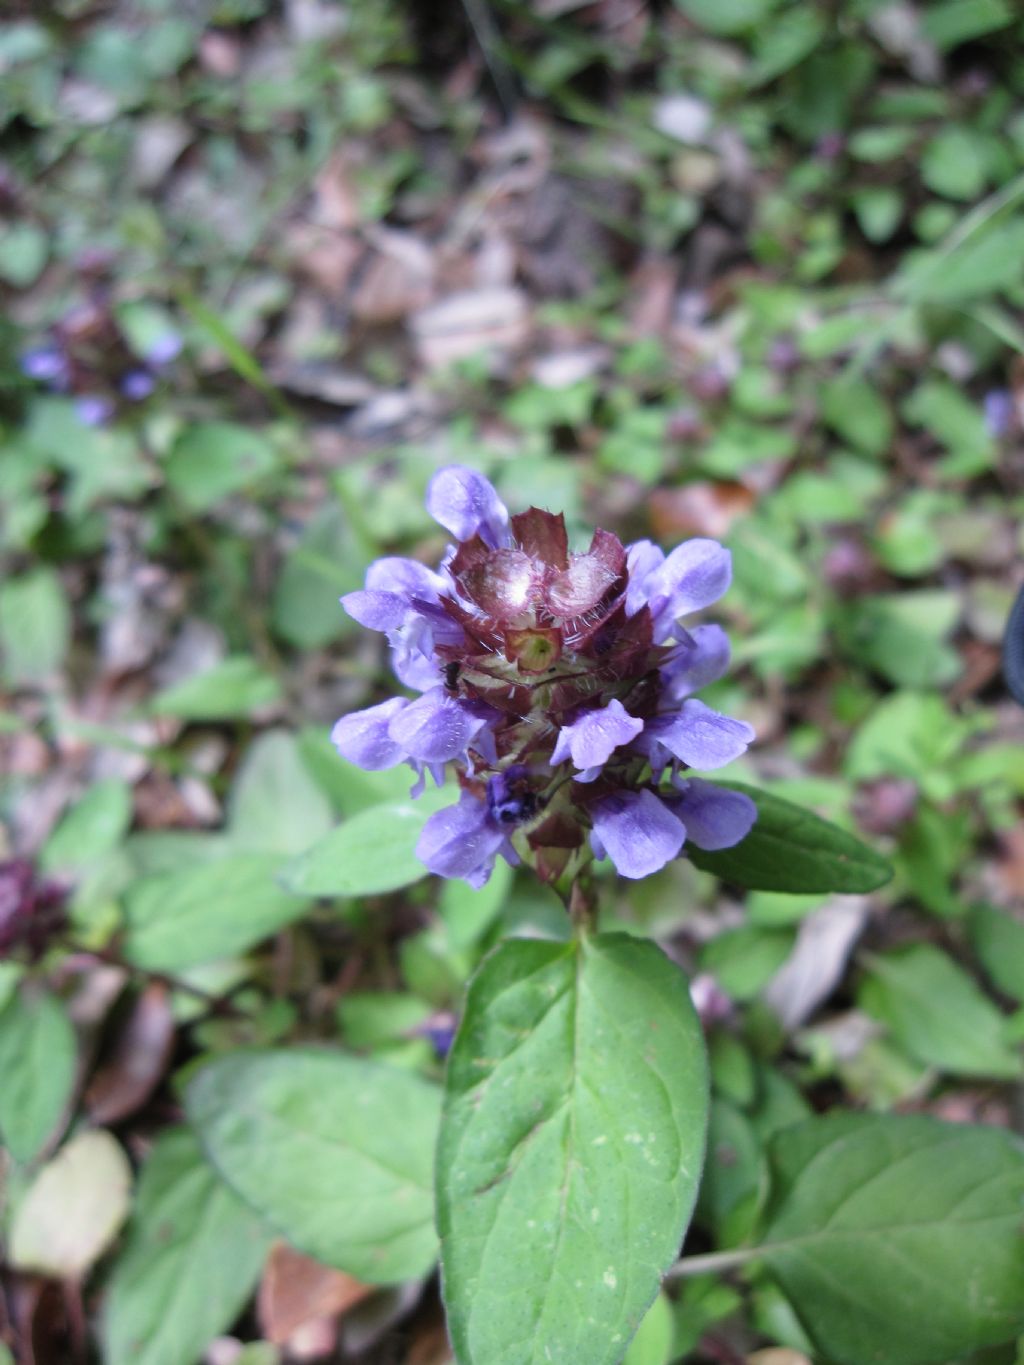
x: 712, y: 1263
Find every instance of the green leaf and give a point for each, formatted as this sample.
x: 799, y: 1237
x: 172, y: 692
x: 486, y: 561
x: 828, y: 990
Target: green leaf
x: 182, y: 919
x: 24, y: 249
x: 735, y: 1179
x: 570, y: 1148
x: 238, y: 356
x: 100, y: 462
x: 326, y: 563
x: 957, y: 423
x: 37, y: 1070
x: 275, y: 805
x: 91, y: 829
x: 191, y: 1238
x: 952, y: 22
x: 854, y: 409
x: 952, y: 165
x: 909, y: 734
x: 74, y: 1208
x: 369, y: 1018
x: 933, y: 847
x: 35, y: 626
x: 349, y: 788
x: 879, y: 210
x: 898, y: 1239
x: 744, y: 960
x: 373, y: 852
x: 999, y: 942
x: 784, y: 42
x: 234, y: 687
x: 652, y: 1344
x: 467, y: 912
x: 882, y: 142
x: 336, y: 1153
x: 990, y: 260
x: 791, y: 849
x: 727, y: 16
x: 936, y: 1012
x: 903, y: 636
x: 214, y: 459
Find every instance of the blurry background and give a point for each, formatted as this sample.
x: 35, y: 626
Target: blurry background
x: 750, y: 269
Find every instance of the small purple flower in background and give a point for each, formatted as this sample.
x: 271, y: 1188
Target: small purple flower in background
x: 137, y: 385
x: 559, y: 683
x: 997, y: 407
x: 440, y: 1033
x: 48, y: 365
x: 164, y: 349
x: 93, y: 410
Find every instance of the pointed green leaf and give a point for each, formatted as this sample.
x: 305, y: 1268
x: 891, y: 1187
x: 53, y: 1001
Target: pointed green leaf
x: 792, y: 849
x: 192, y: 1243
x: 234, y: 687
x: 275, y: 805
x: 937, y: 1013
x: 206, y: 912
x: 37, y: 1070
x: 35, y: 626
x: 570, y: 1150
x: 371, y: 853
x: 897, y: 1239
x: 998, y: 940
x: 335, y: 1152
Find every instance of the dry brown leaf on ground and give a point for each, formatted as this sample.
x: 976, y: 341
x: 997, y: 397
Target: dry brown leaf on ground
x: 816, y: 965
x: 397, y: 280
x: 704, y: 508
x: 137, y: 1060
x: 297, y: 1290
x: 468, y: 322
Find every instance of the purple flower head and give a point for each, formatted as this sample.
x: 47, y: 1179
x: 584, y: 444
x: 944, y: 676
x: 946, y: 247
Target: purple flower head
x: 31, y: 910
x: 560, y: 683
x: 137, y: 385
x: 47, y: 364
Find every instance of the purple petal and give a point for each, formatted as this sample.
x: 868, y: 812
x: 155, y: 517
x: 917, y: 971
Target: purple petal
x: 592, y: 738
x: 412, y: 652
x: 700, y: 737
x: 406, y: 577
x: 363, y: 738
x: 643, y: 559
x: 413, y: 668
x: 714, y: 816
x: 376, y: 610
x: 93, y: 411
x: 467, y: 505
x: 435, y: 727
x: 164, y: 349
x: 460, y: 841
x: 701, y: 657
x: 694, y: 575
x: 638, y: 832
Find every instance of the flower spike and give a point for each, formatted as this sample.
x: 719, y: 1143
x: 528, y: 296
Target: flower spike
x: 559, y: 683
